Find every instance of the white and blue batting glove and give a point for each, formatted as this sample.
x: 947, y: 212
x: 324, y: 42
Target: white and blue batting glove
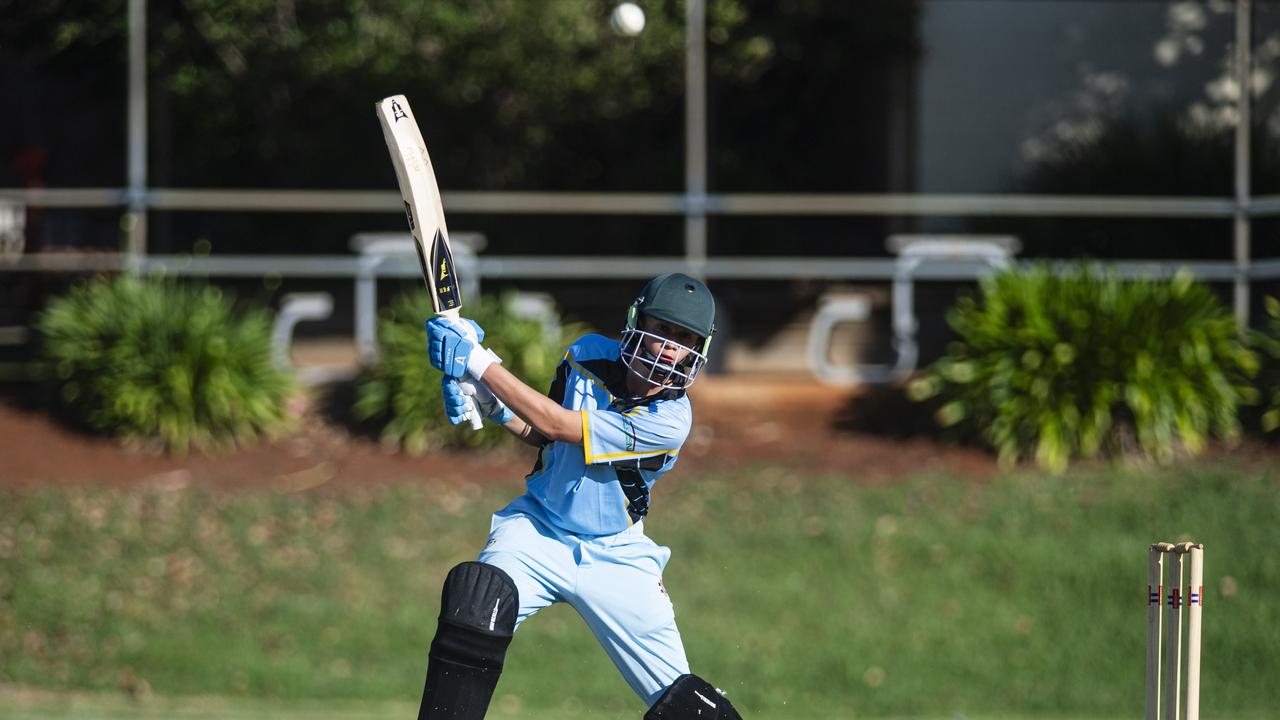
x: 458, y: 399
x: 462, y: 327
x: 454, y: 348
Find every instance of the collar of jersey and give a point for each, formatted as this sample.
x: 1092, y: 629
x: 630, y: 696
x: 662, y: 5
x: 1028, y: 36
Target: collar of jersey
x: 617, y: 401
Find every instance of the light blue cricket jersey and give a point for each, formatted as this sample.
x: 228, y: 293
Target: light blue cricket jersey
x: 602, y: 486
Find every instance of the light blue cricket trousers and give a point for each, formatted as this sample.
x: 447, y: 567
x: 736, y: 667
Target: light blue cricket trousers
x: 613, y: 581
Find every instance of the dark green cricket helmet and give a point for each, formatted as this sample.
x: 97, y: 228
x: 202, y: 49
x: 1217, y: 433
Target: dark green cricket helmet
x: 680, y: 300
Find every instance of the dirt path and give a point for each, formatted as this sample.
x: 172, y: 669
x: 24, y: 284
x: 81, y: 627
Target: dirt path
x: 792, y: 422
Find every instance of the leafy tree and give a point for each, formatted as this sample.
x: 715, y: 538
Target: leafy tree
x: 497, y: 83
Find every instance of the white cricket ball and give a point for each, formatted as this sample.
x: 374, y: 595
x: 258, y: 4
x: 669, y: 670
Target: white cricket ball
x: 627, y: 19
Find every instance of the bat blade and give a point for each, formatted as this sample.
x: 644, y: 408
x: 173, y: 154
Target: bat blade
x: 422, y: 205
x: 423, y: 208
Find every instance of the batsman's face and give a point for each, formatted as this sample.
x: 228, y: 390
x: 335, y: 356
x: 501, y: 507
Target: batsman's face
x: 667, y: 352
x: 660, y: 355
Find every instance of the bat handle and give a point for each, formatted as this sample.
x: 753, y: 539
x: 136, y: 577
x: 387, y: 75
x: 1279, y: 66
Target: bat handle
x: 477, y: 422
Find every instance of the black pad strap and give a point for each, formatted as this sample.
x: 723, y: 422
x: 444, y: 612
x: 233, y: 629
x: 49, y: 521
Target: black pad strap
x: 692, y: 698
x: 635, y: 490
x: 633, y: 485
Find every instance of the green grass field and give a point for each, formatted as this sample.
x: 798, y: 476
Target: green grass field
x: 802, y: 597
x: 24, y: 704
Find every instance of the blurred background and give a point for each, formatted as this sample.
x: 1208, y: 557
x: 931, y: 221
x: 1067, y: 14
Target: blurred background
x: 995, y: 292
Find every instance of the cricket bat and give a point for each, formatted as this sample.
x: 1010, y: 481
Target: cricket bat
x: 422, y: 206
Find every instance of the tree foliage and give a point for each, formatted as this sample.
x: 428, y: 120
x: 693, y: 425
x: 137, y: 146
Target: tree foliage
x: 512, y: 75
x: 278, y: 93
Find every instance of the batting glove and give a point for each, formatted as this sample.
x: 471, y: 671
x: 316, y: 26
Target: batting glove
x: 454, y: 348
x: 457, y: 407
x: 462, y: 327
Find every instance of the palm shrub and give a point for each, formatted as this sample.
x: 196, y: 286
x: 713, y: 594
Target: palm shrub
x: 163, y: 363
x: 400, y: 393
x: 1055, y: 366
x: 1267, y: 340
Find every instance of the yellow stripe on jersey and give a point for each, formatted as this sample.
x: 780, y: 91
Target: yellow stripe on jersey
x: 591, y: 459
x: 585, y: 373
x: 586, y: 422
x: 622, y: 455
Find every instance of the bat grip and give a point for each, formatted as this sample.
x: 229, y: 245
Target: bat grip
x: 477, y: 422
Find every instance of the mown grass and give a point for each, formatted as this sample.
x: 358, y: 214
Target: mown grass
x: 23, y: 704
x: 802, y: 597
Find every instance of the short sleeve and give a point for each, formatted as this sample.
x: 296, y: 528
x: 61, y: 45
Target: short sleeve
x: 659, y: 428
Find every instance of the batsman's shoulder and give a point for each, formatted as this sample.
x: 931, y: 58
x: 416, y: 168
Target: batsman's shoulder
x: 666, y: 418
x: 592, y: 346
x: 679, y: 407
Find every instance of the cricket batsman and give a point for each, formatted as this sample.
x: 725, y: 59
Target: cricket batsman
x: 611, y: 425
